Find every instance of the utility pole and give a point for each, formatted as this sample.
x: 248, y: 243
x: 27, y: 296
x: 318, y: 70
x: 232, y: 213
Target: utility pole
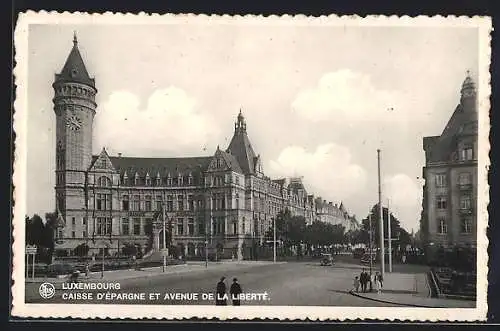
x: 370, y: 243
x: 381, y: 219
x: 389, y: 235
x: 274, y: 239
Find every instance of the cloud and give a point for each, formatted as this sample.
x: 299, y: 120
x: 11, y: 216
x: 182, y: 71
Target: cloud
x: 405, y: 198
x: 345, y: 94
x: 171, y: 121
x: 328, y: 171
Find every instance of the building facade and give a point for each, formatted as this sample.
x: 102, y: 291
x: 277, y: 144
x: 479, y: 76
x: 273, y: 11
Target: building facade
x: 449, y: 214
x: 334, y: 214
x: 222, y: 201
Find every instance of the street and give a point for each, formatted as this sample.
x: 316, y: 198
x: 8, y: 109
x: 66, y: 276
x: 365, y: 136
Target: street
x: 295, y: 283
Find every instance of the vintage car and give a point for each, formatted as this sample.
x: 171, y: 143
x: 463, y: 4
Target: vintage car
x: 327, y: 259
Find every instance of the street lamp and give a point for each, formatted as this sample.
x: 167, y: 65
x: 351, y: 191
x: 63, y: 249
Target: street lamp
x: 164, y: 240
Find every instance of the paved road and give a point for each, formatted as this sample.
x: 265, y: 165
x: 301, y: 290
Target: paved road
x: 297, y: 283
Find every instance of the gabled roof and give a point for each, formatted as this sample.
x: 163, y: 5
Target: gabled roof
x: 163, y: 166
x: 441, y: 148
x: 74, y: 69
x: 231, y: 162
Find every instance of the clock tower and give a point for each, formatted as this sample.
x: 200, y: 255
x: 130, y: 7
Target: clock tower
x: 75, y: 107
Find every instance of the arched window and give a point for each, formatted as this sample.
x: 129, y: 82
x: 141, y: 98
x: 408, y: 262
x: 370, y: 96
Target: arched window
x: 104, y: 181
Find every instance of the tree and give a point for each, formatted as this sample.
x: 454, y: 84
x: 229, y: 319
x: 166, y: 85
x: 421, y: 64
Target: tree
x: 148, y: 231
x: 129, y: 249
x: 81, y: 250
x: 395, y: 225
x: 34, y: 230
x: 48, y: 235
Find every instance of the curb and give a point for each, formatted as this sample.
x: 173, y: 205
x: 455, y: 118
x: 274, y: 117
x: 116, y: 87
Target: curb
x: 391, y: 302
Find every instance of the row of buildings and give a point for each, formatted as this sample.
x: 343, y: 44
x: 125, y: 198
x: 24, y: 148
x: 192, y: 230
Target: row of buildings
x: 224, y: 200
x: 449, y: 205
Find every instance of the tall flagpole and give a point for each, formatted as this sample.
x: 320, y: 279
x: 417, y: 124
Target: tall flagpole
x: 389, y: 236
x: 381, y: 219
x: 274, y: 239
x: 370, y: 244
x: 164, y: 240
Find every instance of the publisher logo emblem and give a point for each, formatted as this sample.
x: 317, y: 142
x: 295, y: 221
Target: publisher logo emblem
x: 47, y: 290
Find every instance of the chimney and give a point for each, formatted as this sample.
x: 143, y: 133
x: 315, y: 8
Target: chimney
x: 330, y: 203
x: 119, y: 154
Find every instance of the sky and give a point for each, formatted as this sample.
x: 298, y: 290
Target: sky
x: 318, y: 100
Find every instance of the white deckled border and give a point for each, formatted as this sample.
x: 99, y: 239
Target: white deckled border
x: 312, y: 313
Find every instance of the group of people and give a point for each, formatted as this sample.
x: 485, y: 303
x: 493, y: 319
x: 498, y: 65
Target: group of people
x: 367, y: 281
x: 221, y: 292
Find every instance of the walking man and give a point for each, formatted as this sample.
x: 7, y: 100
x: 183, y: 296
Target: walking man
x: 235, y: 291
x: 220, y: 295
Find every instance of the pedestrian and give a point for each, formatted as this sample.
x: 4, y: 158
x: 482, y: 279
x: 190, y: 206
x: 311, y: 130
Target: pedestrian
x: 220, y: 295
x: 381, y: 281
x: 403, y: 259
x: 362, y: 280
x: 235, y: 292
x: 372, y: 280
x: 356, y: 284
x: 378, y: 282
x: 87, y: 269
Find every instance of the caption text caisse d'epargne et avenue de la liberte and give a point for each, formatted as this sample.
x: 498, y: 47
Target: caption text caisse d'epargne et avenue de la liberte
x: 112, y: 291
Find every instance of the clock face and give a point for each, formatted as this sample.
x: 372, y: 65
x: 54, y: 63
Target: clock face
x: 74, y: 123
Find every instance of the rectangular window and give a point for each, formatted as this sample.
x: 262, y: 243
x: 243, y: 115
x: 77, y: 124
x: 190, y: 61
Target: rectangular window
x: 158, y: 202
x: 180, y: 202
x: 466, y: 154
x: 220, y: 225
x: 137, y: 226
x: 84, y: 220
x: 464, y: 179
x: 180, y: 226
x: 190, y: 203
x: 180, y: 181
x: 103, y: 201
x: 73, y: 234
x: 147, y: 203
x: 441, y: 202
x: 170, y: 203
x: 440, y: 180
x: 73, y: 221
x: 442, y: 226
x: 214, y: 202
x: 235, y: 228
x: 84, y: 234
x: 147, y: 227
x: 465, y: 202
x: 201, y: 227
x: 103, y: 225
x: 125, y: 226
x: 190, y: 180
x: 214, y: 225
x: 136, y: 203
x: 243, y: 230
x: 466, y: 225
x: 125, y: 202
x: 190, y: 227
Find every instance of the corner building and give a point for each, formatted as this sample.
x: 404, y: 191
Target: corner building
x: 449, y: 208
x: 223, y: 201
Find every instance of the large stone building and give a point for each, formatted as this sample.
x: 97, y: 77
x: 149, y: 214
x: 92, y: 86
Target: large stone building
x: 449, y: 214
x: 221, y: 201
x: 331, y: 213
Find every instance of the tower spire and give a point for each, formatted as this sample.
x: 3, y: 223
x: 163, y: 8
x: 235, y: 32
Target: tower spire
x: 75, y: 39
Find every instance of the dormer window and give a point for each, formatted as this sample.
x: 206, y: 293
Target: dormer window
x: 190, y: 180
x: 169, y: 180
x: 466, y: 153
x: 136, y: 179
x: 148, y: 179
x: 158, y: 179
x: 180, y: 180
x: 104, y: 181
x: 125, y: 178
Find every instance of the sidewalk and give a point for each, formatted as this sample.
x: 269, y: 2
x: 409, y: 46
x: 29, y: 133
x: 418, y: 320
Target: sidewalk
x: 411, y: 290
x: 115, y: 275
